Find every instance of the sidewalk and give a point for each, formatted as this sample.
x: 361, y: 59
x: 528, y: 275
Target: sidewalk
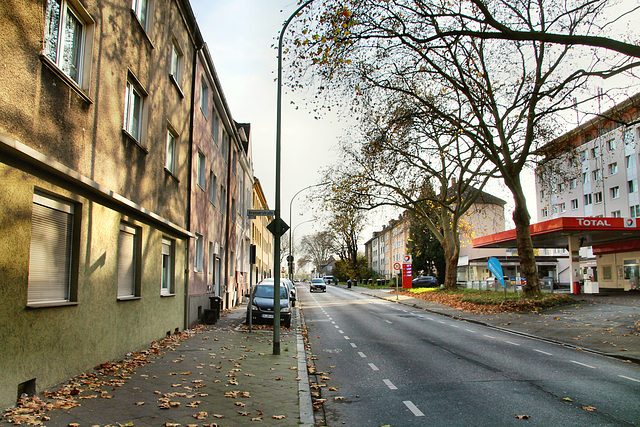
x: 214, y: 375
x: 607, y: 324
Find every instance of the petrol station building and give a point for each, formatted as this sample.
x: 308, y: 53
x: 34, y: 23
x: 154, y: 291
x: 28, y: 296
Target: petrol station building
x: 615, y: 244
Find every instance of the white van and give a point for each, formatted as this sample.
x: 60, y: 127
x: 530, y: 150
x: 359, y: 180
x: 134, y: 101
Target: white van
x: 328, y: 280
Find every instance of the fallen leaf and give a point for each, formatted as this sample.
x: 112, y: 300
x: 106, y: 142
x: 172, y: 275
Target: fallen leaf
x: 200, y: 415
x: 244, y: 414
x: 278, y: 417
x: 139, y: 403
x: 567, y: 399
x: 523, y: 417
x: 589, y: 408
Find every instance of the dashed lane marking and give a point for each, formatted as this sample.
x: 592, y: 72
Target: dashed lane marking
x: 362, y: 354
x: 373, y: 367
x: 583, y: 364
x: 390, y: 385
x: 413, y: 408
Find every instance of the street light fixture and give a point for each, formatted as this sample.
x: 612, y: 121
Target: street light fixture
x: 290, y: 257
x: 278, y: 220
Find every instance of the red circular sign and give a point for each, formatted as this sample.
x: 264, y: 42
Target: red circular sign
x: 396, y: 266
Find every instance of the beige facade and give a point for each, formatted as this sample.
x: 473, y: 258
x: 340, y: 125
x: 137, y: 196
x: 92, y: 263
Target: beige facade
x: 94, y: 149
x: 261, y: 237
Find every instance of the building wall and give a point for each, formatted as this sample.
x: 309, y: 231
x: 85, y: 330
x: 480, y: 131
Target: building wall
x: 66, y: 140
x: 597, y: 177
x: 261, y: 237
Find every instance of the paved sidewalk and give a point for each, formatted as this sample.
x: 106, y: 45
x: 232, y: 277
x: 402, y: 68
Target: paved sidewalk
x: 214, y: 375
x: 608, y: 324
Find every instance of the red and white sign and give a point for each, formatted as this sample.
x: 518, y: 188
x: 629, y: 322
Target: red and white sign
x: 407, y: 272
x: 397, y: 266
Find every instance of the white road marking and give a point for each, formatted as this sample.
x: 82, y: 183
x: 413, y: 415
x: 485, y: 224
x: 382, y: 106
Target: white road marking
x: 339, y: 331
x: 336, y: 326
x: 512, y: 343
x: 469, y: 330
x: 353, y: 345
x: 454, y: 326
x: 543, y: 352
x: 346, y: 337
x: 390, y: 385
x: 489, y: 336
x: 583, y: 364
x: 413, y: 408
x: 362, y: 354
x: 388, y: 321
x: 374, y: 367
x: 629, y: 378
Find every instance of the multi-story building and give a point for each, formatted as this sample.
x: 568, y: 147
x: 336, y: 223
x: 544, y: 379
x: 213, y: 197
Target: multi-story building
x: 95, y: 146
x: 486, y: 216
x: 260, y: 236
x: 592, y: 171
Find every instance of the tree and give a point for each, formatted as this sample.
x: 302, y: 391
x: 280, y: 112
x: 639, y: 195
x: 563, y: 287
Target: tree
x: 425, y: 249
x: 317, y: 248
x: 500, y: 74
x: 402, y: 151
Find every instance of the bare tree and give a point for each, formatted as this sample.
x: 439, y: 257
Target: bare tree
x: 499, y: 74
x: 317, y: 248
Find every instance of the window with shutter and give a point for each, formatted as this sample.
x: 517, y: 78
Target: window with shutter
x: 50, y: 253
x: 167, y: 267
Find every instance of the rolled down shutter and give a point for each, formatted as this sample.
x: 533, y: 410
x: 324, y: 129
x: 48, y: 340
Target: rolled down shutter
x: 126, y: 261
x: 50, y: 250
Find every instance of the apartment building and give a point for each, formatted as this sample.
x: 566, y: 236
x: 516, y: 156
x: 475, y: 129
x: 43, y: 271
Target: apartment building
x: 592, y: 171
x: 260, y: 236
x: 94, y: 143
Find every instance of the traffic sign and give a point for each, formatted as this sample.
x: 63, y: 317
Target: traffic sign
x: 272, y: 227
x: 397, y: 266
x: 253, y: 213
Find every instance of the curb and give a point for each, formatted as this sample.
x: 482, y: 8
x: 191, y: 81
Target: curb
x: 511, y: 331
x: 304, y: 390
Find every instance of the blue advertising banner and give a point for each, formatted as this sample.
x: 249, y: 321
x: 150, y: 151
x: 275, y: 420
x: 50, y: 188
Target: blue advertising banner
x: 496, y: 269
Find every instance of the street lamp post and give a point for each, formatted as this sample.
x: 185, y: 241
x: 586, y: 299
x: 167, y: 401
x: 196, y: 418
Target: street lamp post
x: 278, y: 219
x: 290, y: 257
x: 292, y: 231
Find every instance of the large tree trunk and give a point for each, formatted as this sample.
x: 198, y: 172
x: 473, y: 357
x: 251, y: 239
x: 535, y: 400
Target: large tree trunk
x: 451, y: 253
x: 522, y: 221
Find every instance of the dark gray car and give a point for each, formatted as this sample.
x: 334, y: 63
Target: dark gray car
x: 262, y: 304
x: 425, y: 282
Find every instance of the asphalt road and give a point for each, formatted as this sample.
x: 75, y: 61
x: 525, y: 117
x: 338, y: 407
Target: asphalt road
x: 388, y: 364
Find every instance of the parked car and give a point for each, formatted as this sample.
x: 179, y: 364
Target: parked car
x: 261, y: 306
x: 317, y: 284
x: 425, y: 282
x: 292, y: 289
x: 328, y: 279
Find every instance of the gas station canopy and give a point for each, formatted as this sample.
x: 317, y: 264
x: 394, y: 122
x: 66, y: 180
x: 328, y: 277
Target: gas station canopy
x: 611, y: 234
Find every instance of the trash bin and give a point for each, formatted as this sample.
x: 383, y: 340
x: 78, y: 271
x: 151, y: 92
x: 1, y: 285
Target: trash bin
x: 215, y: 304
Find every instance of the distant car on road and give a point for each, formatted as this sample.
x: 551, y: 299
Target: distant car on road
x: 317, y: 284
x: 425, y: 282
x: 328, y: 279
x: 261, y: 304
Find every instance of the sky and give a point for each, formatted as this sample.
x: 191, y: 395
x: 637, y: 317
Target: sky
x: 241, y: 35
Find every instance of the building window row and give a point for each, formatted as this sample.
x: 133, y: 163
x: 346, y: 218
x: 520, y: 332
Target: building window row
x: 53, y: 254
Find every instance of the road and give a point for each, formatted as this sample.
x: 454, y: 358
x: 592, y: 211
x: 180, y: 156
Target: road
x: 388, y: 364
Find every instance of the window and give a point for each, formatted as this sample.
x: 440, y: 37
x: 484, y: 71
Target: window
x: 234, y: 162
x: 213, y: 187
x: 615, y: 192
x: 204, y: 96
x: 611, y: 144
x: 200, y: 170
x: 634, y: 211
x: 563, y: 207
x: 232, y: 264
x: 630, y: 161
x: 573, y: 183
x: 215, y: 126
x: 627, y: 137
x: 583, y: 156
x: 223, y: 200
x: 613, y: 168
x: 561, y: 187
x: 598, y: 197
x: 127, y: 259
x: 141, y: 9
x: 225, y: 145
x: 166, y: 287
x: 595, y: 152
x: 632, y: 186
x: 542, y: 194
x: 588, y: 199
x: 233, y: 208
x: 51, y: 251
x: 170, y: 155
x: 67, y: 38
x: 596, y: 175
x: 585, y: 177
x: 210, y: 270
x: 574, y: 204
x: 616, y: 214
x: 199, y: 261
x: 216, y: 274
x: 176, y: 63
x: 134, y: 109
x: 544, y: 212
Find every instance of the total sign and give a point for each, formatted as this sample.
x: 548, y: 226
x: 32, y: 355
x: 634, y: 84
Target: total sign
x: 407, y: 272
